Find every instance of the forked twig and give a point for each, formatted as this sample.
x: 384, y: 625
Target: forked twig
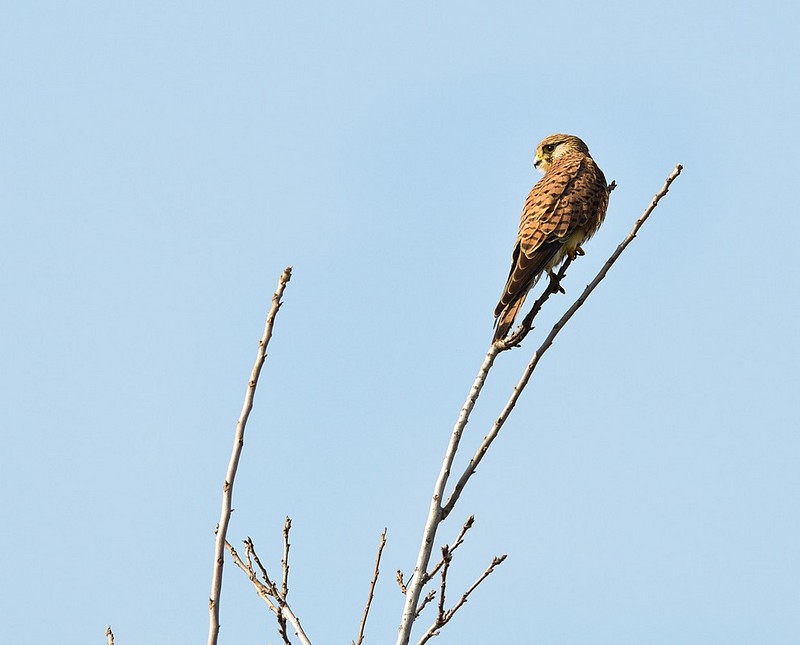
x: 233, y: 464
x: 269, y: 591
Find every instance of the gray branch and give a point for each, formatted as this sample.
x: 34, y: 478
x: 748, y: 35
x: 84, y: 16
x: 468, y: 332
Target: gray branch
x: 233, y: 464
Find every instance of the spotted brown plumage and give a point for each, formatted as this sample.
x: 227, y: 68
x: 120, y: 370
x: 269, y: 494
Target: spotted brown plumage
x: 564, y: 209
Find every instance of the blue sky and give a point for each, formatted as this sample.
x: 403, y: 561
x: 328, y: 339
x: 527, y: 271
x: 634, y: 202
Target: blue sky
x: 163, y: 162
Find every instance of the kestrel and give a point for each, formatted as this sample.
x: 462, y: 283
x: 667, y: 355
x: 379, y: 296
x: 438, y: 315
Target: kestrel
x: 564, y: 209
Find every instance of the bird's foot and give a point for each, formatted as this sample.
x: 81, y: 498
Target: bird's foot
x: 576, y: 252
x: 555, y: 285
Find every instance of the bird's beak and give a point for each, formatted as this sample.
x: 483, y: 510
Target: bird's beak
x: 536, y: 161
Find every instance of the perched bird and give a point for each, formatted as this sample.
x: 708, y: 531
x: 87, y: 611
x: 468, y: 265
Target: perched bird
x: 564, y: 209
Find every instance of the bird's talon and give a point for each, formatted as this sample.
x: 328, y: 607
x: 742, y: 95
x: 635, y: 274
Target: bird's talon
x: 555, y: 285
x: 575, y: 252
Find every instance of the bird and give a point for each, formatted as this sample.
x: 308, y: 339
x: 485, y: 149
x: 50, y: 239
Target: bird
x: 563, y: 210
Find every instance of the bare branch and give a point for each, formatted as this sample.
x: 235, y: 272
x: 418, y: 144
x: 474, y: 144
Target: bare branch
x: 287, y: 526
x: 444, y: 616
x: 400, y: 582
x: 109, y: 635
x: 414, y: 588
x: 554, y: 286
x: 263, y: 590
x: 371, y: 594
x: 238, y: 443
x: 282, y: 628
x: 428, y: 597
x: 467, y: 526
x: 523, y: 381
x: 438, y: 512
x: 497, y: 560
x: 250, y: 551
x: 447, y: 558
x: 269, y: 592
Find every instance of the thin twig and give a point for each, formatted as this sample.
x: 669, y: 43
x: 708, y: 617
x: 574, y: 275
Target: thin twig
x: 109, y: 635
x: 553, y: 287
x: 250, y: 551
x: 265, y: 591
x: 262, y: 589
x: 444, y: 616
x: 273, y: 588
x: 447, y: 558
x: 371, y: 594
x: 400, y: 582
x: 269, y: 592
x: 233, y: 464
x: 459, y: 540
x: 428, y: 597
x: 287, y: 526
x: 523, y: 381
x: 497, y: 560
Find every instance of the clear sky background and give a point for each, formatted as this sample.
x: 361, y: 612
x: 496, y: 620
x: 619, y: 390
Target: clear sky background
x: 162, y: 163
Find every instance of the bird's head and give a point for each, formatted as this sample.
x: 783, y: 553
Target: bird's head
x: 556, y: 146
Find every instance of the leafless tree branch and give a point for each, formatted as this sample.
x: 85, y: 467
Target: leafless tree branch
x: 523, y: 381
x: 109, y: 635
x: 371, y: 594
x: 420, y: 577
x: 443, y: 615
x: 252, y: 556
x: 265, y: 587
x: 439, y: 511
x: 269, y: 591
x: 238, y: 443
x: 428, y: 597
x: 400, y: 582
x: 287, y: 526
x: 459, y: 540
x: 447, y: 558
x: 497, y: 560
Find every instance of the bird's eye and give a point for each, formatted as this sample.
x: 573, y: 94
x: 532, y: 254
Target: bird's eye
x: 549, y: 147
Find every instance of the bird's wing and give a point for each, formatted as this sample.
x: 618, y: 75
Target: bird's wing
x: 551, y: 214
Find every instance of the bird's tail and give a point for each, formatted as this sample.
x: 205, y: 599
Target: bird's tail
x: 505, y: 318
